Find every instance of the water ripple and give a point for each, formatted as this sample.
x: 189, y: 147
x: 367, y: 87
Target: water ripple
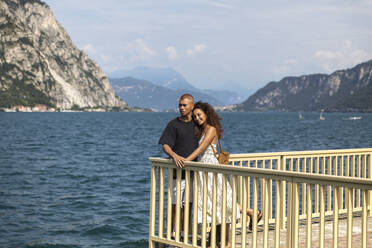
x: 82, y: 179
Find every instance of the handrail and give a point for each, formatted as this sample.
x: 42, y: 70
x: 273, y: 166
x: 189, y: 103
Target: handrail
x: 286, y: 186
x: 298, y: 177
x: 298, y: 153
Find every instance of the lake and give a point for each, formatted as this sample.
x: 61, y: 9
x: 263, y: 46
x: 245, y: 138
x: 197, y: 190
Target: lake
x: 83, y: 179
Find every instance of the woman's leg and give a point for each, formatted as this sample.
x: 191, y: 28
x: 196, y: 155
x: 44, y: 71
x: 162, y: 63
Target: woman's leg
x: 249, y: 211
x: 227, y: 235
x: 250, y: 214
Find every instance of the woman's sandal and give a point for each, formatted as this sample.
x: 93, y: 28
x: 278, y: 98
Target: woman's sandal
x: 259, y: 217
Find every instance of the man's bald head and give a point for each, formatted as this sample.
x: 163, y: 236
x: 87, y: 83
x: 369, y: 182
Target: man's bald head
x: 185, y: 106
x: 187, y: 96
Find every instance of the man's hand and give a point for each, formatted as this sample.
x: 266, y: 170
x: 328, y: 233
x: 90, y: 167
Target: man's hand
x: 180, y: 161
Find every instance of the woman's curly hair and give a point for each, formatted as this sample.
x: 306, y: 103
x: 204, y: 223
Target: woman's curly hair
x: 212, y: 119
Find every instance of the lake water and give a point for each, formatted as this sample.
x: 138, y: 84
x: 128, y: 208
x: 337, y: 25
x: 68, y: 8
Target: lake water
x: 83, y: 179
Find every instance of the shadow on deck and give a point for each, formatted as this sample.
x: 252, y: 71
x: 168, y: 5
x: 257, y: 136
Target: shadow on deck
x: 328, y: 241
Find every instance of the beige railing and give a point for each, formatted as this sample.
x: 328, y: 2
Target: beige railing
x: 289, y: 187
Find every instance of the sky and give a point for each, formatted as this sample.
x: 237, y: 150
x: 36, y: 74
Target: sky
x: 238, y: 45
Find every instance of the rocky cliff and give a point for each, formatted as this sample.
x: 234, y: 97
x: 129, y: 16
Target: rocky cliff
x: 40, y: 64
x: 343, y: 90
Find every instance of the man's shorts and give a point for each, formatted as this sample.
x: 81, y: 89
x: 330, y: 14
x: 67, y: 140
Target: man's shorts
x: 182, y: 191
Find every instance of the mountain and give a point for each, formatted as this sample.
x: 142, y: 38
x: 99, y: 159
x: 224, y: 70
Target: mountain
x: 225, y: 96
x: 343, y: 90
x: 166, y: 77
x: 171, y: 79
x: 145, y: 94
x: 39, y: 64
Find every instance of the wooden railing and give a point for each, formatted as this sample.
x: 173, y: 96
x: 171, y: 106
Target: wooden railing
x: 289, y: 187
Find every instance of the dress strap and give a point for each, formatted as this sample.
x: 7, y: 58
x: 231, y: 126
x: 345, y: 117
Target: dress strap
x: 214, y: 151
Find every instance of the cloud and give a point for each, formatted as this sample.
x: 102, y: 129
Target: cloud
x: 285, y: 67
x: 348, y: 43
x: 138, y: 51
x: 89, y: 49
x: 199, y: 48
x: 348, y: 57
x: 328, y: 55
x: 141, y: 49
x: 128, y: 55
x: 172, y: 53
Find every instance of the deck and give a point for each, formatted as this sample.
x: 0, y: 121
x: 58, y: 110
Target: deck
x: 328, y: 240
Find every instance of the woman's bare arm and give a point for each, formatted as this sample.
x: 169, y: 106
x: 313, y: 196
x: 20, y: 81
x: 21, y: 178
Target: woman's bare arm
x: 208, y: 138
x: 179, y: 160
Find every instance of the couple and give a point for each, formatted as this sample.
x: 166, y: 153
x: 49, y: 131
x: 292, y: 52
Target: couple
x: 193, y: 137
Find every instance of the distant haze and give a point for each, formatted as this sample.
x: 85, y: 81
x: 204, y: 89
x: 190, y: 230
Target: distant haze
x: 221, y: 44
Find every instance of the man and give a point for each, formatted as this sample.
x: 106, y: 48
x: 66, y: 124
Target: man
x: 178, y: 141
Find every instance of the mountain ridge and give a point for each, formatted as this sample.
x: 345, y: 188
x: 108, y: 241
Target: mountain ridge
x: 342, y: 90
x: 165, y: 77
x: 145, y: 94
x: 174, y: 80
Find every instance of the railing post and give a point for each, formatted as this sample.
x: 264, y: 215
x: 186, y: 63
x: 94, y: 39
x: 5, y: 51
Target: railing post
x: 266, y: 208
x: 322, y: 216
x: 364, y: 219
x: 289, y: 215
x: 187, y: 210
x: 282, y: 194
x: 329, y: 188
x: 349, y: 199
x: 204, y: 218
x: 277, y: 214
x: 270, y: 192
x: 223, y: 222
x: 370, y: 177
x: 292, y: 214
x: 169, y: 213
x: 309, y: 210
x: 296, y: 212
x: 178, y: 205
x: 195, y: 209
x: 316, y: 196
x: 336, y: 194
x: 152, y: 207
x: 255, y: 209
x: 358, y: 175
x: 244, y: 214
x: 161, y: 202
x: 214, y: 211
x: 233, y: 220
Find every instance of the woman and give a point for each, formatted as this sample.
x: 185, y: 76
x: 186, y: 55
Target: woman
x: 208, y: 128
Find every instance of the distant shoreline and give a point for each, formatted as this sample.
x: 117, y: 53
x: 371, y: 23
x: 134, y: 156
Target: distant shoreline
x: 40, y: 108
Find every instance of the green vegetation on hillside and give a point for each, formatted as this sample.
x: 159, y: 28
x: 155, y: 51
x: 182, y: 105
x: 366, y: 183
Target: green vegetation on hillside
x: 20, y: 93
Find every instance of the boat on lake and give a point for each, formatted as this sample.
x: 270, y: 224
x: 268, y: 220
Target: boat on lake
x: 355, y: 118
x: 321, y: 117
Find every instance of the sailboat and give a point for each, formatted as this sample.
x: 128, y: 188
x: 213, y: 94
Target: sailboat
x: 355, y: 118
x: 300, y: 116
x: 321, y: 117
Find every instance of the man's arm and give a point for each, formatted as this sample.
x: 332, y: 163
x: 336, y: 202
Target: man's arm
x: 179, y: 160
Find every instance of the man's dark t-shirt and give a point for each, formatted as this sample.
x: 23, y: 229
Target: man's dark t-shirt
x: 179, y: 135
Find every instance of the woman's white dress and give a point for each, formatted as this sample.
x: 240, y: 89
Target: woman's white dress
x: 208, y: 157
